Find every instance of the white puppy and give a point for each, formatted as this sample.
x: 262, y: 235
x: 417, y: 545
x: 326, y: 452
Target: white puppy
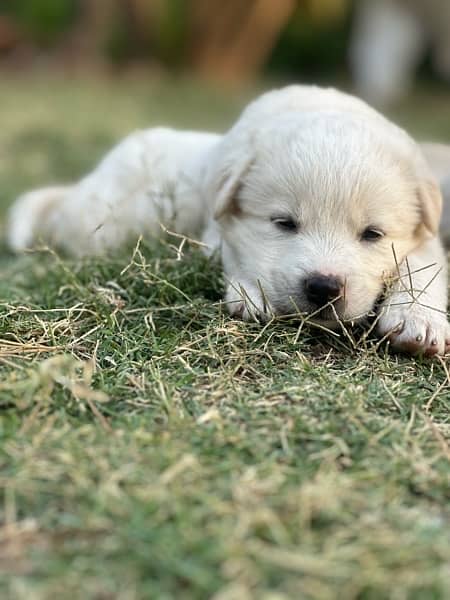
x: 316, y: 202
x: 390, y: 38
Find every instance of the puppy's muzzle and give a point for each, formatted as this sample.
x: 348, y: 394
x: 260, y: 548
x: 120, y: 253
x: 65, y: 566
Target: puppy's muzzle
x: 321, y: 289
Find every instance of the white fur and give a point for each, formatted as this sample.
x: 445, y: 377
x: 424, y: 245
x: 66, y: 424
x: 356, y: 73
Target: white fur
x: 323, y: 158
x: 151, y: 177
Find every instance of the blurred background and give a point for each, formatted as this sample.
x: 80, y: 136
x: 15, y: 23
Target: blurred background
x: 378, y: 44
x: 76, y: 75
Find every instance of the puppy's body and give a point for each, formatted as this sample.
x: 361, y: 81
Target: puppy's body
x: 152, y: 177
x: 314, y: 199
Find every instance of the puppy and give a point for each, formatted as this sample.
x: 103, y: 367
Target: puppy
x: 390, y: 38
x: 316, y: 203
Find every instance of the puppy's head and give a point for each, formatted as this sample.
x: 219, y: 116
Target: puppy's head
x: 316, y: 211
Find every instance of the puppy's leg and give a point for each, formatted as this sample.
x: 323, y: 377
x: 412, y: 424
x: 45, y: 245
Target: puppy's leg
x: 387, y: 43
x: 93, y: 214
x: 414, y: 313
x: 28, y: 216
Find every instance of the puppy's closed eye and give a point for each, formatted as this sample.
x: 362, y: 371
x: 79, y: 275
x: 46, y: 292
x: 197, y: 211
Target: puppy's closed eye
x: 371, y: 234
x: 285, y: 223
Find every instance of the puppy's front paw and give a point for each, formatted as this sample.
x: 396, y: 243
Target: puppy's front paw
x: 415, y: 329
x: 246, y: 301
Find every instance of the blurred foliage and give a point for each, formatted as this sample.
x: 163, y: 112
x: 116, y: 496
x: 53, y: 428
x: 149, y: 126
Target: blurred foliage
x: 314, y: 43
x: 313, y: 40
x: 43, y: 20
x: 171, y: 35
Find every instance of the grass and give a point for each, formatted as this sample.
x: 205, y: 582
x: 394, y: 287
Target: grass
x: 153, y: 447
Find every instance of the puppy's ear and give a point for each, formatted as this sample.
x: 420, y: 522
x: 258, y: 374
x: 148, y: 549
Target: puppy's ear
x: 226, y: 201
x: 428, y: 191
x: 430, y: 202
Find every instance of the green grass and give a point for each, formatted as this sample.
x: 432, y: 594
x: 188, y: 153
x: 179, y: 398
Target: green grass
x: 153, y: 447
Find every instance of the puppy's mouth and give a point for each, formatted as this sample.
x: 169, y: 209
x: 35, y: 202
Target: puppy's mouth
x: 328, y: 316
x: 333, y: 311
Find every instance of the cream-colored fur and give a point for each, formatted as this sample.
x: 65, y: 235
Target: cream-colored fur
x: 288, y: 194
x: 151, y: 177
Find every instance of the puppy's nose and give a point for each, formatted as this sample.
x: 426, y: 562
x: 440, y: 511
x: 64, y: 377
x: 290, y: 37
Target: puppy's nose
x: 321, y: 289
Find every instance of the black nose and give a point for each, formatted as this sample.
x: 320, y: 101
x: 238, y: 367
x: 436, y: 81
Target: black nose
x: 321, y: 289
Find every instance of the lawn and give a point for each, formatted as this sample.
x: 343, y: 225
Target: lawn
x: 153, y: 447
